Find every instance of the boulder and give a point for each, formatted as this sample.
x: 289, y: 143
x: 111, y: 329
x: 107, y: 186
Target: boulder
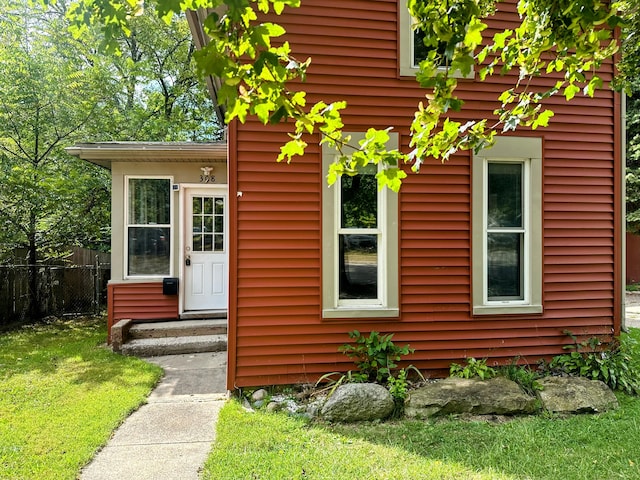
x: 576, y: 395
x: 497, y: 396
x: 259, y: 395
x: 357, y: 402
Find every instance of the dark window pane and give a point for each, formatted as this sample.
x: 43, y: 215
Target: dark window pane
x: 359, y: 201
x: 208, y: 224
x: 197, y: 205
x: 197, y: 243
x: 218, y: 243
x: 504, y: 195
x: 208, y: 205
x: 504, y: 266
x: 197, y: 223
x: 149, y: 249
x: 149, y: 201
x: 219, y: 206
x: 208, y: 242
x: 421, y: 51
x: 358, y: 261
x: 219, y: 225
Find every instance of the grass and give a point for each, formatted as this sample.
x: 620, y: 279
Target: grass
x: 62, y: 393
x: 273, y: 446
x: 633, y: 287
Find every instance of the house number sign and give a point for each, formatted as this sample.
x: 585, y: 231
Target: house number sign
x: 206, y: 176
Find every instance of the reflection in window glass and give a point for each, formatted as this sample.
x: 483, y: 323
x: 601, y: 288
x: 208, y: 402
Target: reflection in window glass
x: 504, y: 266
x: 149, y: 250
x: 358, y: 266
x: 197, y: 205
x: 359, y: 201
x: 208, y: 206
x: 505, y: 232
x: 149, y: 201
x: 421, y: 51
x: 219, y: 206
x: 208, y: 224
x: 148, y: 226
x: 505, y: 195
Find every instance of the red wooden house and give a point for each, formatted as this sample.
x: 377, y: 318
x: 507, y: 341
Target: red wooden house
x: 491, y: 255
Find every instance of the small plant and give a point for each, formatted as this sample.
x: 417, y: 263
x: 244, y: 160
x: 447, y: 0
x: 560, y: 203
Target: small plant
x: 375, y: 355
x: 473, y: 368
x: 633, y: 287
x: 333, y: 380
x: 611, y: 363
x: 526, y: 378
x: 399, y: 388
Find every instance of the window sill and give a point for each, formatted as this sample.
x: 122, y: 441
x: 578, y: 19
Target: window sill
x: 507, y: 309
x: 361, y: 313
x: 408, y: 72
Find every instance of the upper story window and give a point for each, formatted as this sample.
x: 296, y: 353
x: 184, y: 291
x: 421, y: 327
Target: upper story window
x: 360, y: 244
x: 412, y: 47
x: 148, y: 226
x: 507, y: 227
x: 419, y: 50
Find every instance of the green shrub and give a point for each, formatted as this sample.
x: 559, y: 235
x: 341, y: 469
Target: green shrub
x: 524, y: 376
x: 473, y: 368
x: 375, y: 355
x: 611, y: 363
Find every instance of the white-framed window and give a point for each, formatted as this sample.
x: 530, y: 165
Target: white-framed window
x: 148, y: 233
x: 412, y: 48
x: 507, y: 227
x: 360, y: 244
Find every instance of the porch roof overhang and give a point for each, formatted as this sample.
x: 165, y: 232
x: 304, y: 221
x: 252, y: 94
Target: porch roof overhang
x: 104, y: 153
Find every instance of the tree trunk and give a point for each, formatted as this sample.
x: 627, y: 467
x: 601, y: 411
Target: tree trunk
x: 34, y: 298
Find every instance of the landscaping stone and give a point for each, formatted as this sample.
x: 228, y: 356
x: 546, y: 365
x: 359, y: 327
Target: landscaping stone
x: 576, y: 395
x: 357, y: 402
x: 259, y: 395
x: 498, y: 396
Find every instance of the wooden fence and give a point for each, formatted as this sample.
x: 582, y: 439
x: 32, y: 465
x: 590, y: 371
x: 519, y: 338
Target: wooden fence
x: 61, y: 290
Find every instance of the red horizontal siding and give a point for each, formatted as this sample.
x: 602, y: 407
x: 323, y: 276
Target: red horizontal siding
x: 275, y: 315
x: 139, y: 301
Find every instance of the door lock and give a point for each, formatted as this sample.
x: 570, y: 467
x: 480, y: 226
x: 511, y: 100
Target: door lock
x: 188, y: 261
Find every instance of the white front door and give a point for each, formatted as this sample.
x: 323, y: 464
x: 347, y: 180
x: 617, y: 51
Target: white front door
x: 205, y: 249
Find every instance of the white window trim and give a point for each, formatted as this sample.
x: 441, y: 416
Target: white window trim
x: 387, y: 303
x: 527, y: 151
x: 125, y: 239
x: 405, y: 58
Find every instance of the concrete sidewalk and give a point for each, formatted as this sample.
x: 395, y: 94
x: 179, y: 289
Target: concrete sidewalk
x: 632, y: 309
x: 170, y: 436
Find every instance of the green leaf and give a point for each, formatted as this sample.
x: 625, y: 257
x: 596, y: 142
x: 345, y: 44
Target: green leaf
x: 543, y: 119
x: 570, y: 91
x: 292, y: 148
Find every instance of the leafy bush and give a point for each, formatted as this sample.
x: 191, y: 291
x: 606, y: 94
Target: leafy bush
x: 611, y: 363
x: 473, y: 368
x: 526, y: 378
x: 375, y: 355
x: 399, y: 388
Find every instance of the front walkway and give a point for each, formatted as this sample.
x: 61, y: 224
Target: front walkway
x: 171, y: 435
x: 632, y: 309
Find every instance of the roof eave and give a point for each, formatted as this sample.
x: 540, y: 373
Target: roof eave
x: 104, y: 154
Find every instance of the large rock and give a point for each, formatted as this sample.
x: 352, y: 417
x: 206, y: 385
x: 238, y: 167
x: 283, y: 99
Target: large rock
x: 576, y: 395
x: 357, y: 402
x: 498, y: 396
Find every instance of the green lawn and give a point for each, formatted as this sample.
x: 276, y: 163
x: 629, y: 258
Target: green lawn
x: 273, y: 446
x: 62, y: 393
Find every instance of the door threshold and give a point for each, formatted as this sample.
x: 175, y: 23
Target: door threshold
x: 200, y: 314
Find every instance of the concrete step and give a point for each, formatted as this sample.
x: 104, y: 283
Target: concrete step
x: 178, y: 328
x: 152, y: 347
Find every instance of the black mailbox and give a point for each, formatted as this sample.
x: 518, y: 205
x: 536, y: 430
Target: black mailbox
x: 170, y: 286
